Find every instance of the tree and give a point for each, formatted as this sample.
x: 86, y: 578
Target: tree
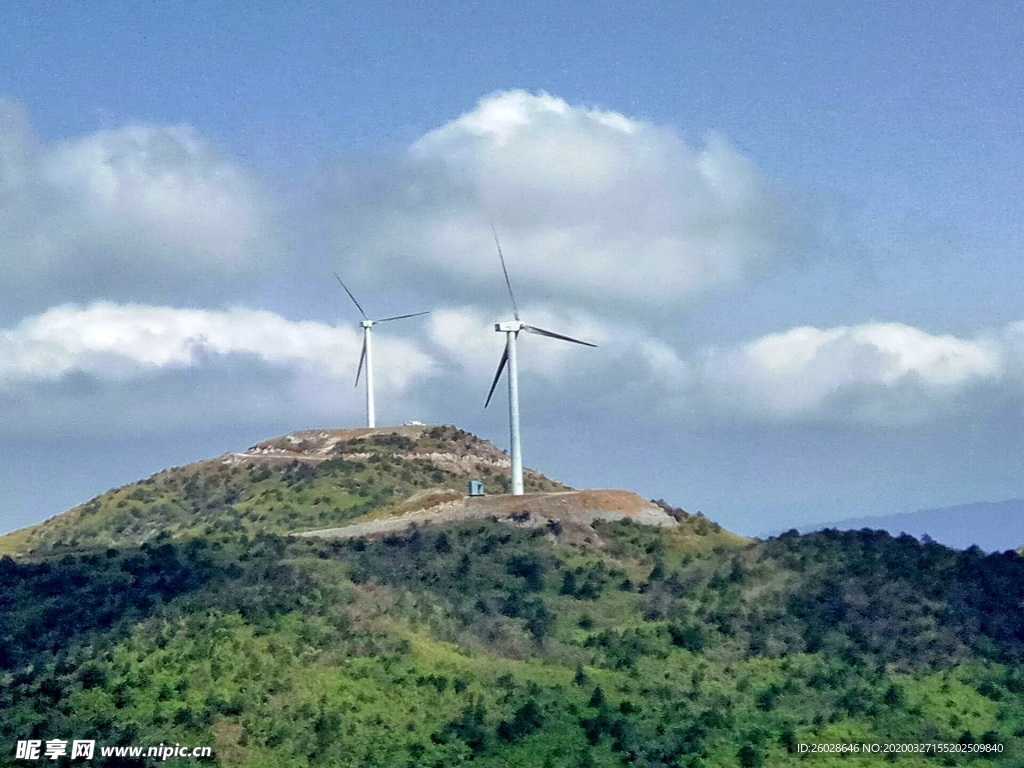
x: 750, y: 756
x: 527, y: 719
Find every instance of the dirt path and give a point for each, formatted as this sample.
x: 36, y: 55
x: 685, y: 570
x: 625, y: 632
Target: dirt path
x: 533, y: 509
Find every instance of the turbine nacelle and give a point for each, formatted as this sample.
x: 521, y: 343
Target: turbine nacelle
x: 514, y: 326
x: 366, y: 323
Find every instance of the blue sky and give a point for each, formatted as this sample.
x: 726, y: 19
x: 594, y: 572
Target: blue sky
x: 793, y: 228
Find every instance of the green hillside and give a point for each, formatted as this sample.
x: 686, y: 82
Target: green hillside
x: 196, y: 620
x: 278, y: 486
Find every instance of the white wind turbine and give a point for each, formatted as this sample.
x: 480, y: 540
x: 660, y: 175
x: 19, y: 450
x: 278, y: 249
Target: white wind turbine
x: 511, y: 331
x: 367, y: 354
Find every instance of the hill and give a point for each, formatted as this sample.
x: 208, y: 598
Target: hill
x: 299, y: 481
x: 553, y: 629
x: 994, y: 527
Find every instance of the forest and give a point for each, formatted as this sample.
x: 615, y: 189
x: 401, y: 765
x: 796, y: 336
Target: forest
x: 500, y: 645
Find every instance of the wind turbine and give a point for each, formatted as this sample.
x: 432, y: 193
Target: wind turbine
x: 367, y: 354
x: 511, y: 331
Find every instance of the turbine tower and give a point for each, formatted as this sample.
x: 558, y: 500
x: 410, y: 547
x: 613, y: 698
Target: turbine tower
x: 367, y: 354
x: 511, y: 331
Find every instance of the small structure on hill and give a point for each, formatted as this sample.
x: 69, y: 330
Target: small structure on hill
x: 476, y: 488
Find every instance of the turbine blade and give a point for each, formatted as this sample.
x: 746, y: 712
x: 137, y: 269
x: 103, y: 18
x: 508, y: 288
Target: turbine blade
x: 501, y: 367
x: 362, y: 357
x: 553, y: 335
x: 515, y: 307
x: 352, y: 297
x: 402, y: 317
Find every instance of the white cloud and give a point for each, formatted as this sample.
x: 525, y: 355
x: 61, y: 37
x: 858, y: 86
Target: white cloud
x: 587, y: 203
x: 144, y: 199
x: 591, y: 206
x: 111, y: 341
x: 165, y: 185
x: 876, y: 373
x: 461, y: 333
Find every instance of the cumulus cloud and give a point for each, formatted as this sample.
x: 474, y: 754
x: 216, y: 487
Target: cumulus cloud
x: 591, y: 203
x: 118, y: 342
x: 141, y: 200
x: 876, y: 373
x: 592, y: 206
x: 885, y: 373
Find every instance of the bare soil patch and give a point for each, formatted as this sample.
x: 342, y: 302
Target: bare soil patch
x: 574, y: 511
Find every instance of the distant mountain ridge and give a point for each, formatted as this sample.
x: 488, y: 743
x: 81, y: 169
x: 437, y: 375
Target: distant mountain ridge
x: 992, y: 526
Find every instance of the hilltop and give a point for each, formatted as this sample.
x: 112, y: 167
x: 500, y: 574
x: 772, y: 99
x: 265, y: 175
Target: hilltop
x: 325, y: 479
x: 295, y: 482
x: 333, y: 598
